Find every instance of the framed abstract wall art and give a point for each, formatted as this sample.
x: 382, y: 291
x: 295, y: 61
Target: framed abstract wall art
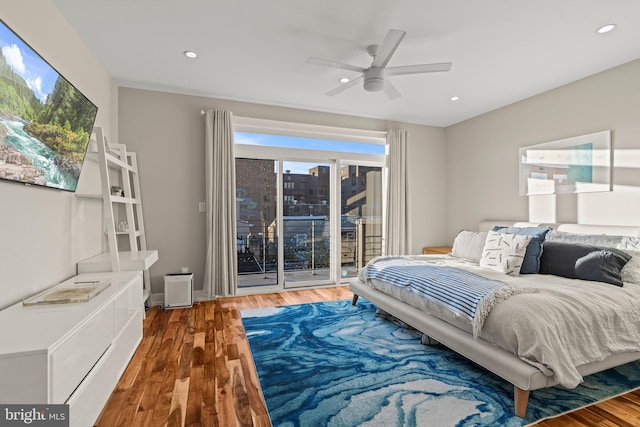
x: 579, y: 164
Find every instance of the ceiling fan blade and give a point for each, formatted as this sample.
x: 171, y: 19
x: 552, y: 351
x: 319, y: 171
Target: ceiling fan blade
x: 387, y: 48
x: 344, y: 87
x: 335, y: 64
x: 417, y: 69
x: 391, y: 91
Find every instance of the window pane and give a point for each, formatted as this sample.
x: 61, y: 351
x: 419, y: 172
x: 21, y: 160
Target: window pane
x: 361, y: 217
x: 306, y: 223
x: 256, y: 200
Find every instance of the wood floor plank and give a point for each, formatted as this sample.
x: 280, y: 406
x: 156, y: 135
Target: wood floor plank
x: 616, y: 417
x: 162, y: 357
x: 131, y: 405
x: 210, y: 360
x: 178, y: 406
x: 184, y: 363
x: 162, y: 409
x: 240, y: 396
x: 111, y: 412
x: 210, y: 416
x: 168, y: 381
x: 150, y: 396
x: 262, y: 421
x: 171, y: 331
x: 195, y: 397
x: 225, y: 406
x: 137, y: 362
x: 252, y: 384
x: 199, y: 339
x: 222, y: 371
x: 194, y: 368
x: 622, y: 411
x: 143, y: 419
x: 209, y: 392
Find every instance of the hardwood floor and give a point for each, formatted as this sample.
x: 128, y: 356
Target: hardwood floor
x: 194, y: 368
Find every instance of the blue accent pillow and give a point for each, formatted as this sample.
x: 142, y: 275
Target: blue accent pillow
x: 531, y: 262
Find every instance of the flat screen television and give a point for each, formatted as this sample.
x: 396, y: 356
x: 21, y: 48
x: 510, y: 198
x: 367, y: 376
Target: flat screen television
x: 45, y: 122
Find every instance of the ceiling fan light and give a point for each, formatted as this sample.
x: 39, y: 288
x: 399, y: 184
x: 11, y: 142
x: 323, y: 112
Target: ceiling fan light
x: 374, y: 84
x: 374, y: 79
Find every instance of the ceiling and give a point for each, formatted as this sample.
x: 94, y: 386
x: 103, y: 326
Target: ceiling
x: 254, y: 50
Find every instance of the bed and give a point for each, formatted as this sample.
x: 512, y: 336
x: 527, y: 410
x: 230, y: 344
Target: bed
x: 514, y: 341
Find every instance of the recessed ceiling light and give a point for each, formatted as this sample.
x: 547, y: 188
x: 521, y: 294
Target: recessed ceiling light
x: 344, y: 80
x: 190, y: 54
x: 605, y: 28
x: 455, y: 98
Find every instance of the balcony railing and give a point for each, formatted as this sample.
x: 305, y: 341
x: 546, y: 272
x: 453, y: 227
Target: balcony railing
x: 307, y: 248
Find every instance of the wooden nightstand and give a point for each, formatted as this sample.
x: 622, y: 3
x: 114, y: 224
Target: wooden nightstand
x: 442, y: 250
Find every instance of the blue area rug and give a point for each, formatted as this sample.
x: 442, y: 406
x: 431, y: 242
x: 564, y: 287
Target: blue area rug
x: 333, y: 364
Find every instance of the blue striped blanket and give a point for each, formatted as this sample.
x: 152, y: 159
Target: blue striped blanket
x: 462, y: 292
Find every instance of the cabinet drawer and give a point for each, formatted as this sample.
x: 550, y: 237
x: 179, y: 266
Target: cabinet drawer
x: 126, y: 304
x: 87, y: 401
x: 75, y: 357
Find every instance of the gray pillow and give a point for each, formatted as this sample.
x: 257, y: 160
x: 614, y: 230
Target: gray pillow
x: 631, y: 271
x: 469, y: 245
x: 585, y: 239
x: 602, y: 266
x: 586, y: 262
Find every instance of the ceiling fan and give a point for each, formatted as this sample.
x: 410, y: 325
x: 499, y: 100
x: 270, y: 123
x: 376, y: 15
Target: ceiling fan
x: 375, y: 77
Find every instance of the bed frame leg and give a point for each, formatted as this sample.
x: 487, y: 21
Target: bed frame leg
x: 354, y: 300
x: 521, y: 400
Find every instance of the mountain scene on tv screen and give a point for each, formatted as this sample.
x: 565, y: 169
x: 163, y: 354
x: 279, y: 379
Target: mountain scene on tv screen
x: 45, y: 123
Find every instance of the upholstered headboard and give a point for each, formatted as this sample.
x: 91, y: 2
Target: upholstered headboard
x: 608, y: 230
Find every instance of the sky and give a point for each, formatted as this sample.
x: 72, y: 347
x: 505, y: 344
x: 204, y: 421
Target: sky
x: 39, y: 75
x: 306, y: 143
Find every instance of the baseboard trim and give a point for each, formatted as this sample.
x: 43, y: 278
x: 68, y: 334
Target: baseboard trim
x: 158, y: 299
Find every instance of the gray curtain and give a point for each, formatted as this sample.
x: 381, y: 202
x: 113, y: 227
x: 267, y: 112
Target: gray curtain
x: 397, y: 232
x: 220, y: 278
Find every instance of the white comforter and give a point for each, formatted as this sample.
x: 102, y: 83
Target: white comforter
x: 566, y: 324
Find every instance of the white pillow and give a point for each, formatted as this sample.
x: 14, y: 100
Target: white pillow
x: 629, y: 243
x: 504, y: 252
x: 631, y: 271
x: 469, y: 245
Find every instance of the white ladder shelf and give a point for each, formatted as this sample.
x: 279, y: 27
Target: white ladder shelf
x: 115, y: 157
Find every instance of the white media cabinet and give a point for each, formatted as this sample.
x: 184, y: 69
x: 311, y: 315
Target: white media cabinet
x: 72, y: 353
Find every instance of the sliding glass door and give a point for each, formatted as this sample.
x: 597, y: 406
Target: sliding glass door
x: 256, y: 219
x: 306, y: 223
x: 361, y: 216
x: 305, y: 217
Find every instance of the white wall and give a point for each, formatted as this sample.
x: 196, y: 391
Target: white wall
x: 167, y: 132
x: 44, y: 232
x: 482, y: 154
